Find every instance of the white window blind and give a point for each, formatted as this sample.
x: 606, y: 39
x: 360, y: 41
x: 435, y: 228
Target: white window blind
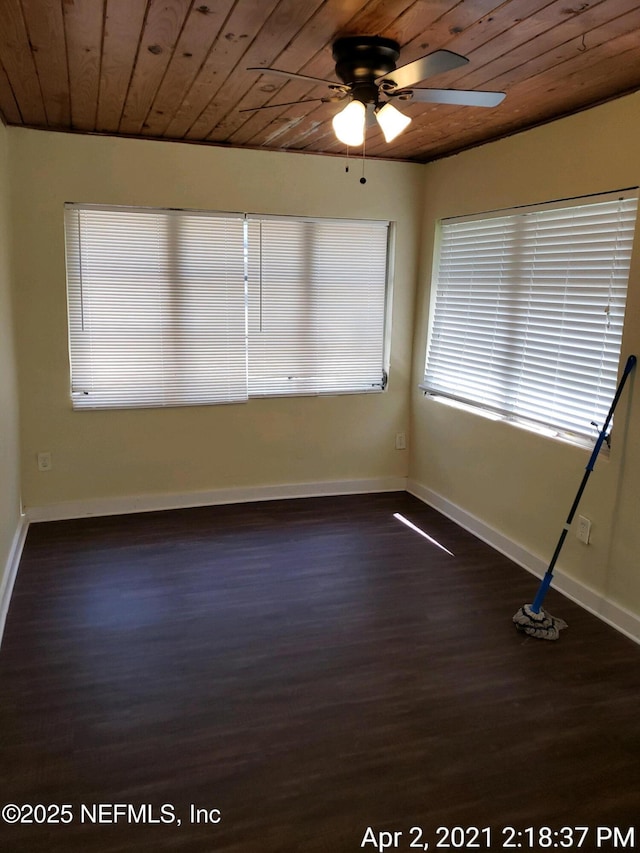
x: 156, y: 307
x: 529, y: 310
x: 175, y: 307
x: 317, y: 291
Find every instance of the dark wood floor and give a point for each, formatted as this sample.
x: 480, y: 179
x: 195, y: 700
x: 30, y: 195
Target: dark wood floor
x: 310, y: 668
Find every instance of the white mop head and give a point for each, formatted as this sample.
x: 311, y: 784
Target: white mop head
x: 542, y: 625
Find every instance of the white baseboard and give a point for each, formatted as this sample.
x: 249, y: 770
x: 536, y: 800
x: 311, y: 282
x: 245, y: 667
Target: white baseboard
x: 8, y: 577
x: 151, y: 503
x: 613, y: 614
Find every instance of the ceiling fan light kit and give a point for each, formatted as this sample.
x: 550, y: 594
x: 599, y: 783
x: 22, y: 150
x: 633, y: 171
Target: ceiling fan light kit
x: 366, y: 65
x: 349, y: 124
x: 392, y: 122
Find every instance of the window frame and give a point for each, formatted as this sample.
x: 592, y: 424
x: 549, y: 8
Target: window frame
x: 74, y: 287
x: 385, y: 307
x: 542, y: 425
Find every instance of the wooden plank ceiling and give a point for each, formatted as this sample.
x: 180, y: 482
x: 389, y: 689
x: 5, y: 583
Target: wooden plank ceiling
x: 176, y: 69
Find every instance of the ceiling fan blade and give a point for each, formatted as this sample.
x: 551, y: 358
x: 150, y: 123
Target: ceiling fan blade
x: 294, y: 76
x: 458, y: 97
x: 433, y: 63
x: 286, y: 104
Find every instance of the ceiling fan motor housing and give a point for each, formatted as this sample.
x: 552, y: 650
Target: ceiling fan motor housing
x: 361, y: 60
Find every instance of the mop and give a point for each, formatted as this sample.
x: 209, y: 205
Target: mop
x: 531, y: 619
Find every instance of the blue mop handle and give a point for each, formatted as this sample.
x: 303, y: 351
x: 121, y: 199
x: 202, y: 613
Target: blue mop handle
x: 631, y: 363
x: 546, y: 580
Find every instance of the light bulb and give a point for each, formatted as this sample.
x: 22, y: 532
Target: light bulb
x: 392, y: 122
x: 348, y: 124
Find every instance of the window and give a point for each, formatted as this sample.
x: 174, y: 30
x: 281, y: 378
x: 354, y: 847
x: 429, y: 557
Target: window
x: 175, y: 307
x: 316, y: 305
x: 529, y: 310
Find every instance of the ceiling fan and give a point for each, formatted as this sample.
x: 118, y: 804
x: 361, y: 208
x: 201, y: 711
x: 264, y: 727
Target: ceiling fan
x: 366, y: 65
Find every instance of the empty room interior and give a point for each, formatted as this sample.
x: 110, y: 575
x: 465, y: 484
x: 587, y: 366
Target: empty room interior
x: 262, y: 538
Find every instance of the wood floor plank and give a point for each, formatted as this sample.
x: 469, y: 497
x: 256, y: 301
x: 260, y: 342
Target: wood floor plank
x: 311, y: 668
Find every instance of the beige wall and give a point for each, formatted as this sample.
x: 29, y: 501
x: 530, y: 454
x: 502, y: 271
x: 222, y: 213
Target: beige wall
x: 519, y: 483
x: 9, y: 444
x: 114, y: 454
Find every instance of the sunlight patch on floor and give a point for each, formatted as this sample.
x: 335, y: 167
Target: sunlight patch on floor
x: 422, y: 533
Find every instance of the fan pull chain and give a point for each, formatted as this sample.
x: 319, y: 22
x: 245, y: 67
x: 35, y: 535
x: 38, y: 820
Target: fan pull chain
x: 363, y: 180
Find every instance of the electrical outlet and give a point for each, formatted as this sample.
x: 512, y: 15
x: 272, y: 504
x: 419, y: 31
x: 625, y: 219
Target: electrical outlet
x: 584, y: 529
x: 44, y: 461
x: 401, y: 441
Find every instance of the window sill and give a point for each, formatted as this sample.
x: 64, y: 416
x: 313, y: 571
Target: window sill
x: 547, y: 432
